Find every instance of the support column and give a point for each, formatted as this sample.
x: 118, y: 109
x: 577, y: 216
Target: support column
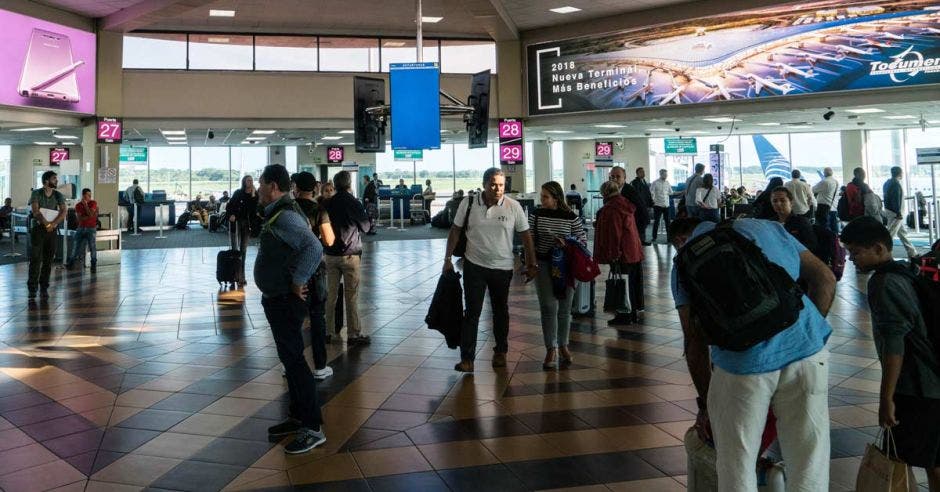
x: 853, y: 153
x: 276, y: 155
x: 541, y: 163
x: 633, y: 153
x: 576, y: 154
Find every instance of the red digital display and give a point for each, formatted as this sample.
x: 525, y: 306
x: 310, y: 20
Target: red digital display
x: 510, y: 142
x: 110, y: 130
x: 57, y: 155
x: 335, y: 155
x: 603, y: 149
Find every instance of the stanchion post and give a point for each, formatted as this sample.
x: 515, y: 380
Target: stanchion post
x: 136, y: 222
x: 65, y: 241
x: 13, y: 253
x: 401, y: 214
x: 160, y: 222
x: 391, y: 213
x: 916, y: 216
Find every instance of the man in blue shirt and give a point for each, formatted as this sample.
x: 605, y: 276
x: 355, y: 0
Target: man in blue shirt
x: 787, y: 373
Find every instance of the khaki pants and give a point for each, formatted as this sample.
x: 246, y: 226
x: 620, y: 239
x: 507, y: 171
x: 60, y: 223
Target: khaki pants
x: 346, y: 267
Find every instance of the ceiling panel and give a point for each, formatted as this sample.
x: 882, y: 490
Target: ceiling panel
x: 90, y: 8
x: 534, y: 14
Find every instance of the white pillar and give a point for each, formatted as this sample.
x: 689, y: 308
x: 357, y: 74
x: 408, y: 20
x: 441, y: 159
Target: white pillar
x: 541, y: 163
x: 577, y: 153
x: 634, y: 153
x: 853, y: 153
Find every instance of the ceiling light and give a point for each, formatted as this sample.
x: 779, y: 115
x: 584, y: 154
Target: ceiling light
x: 800, y: 127
x: 263, y: 132
x: 256, y: 138
x: 393, y: 44
x: 696, y: 132
x: 177, y: 143
x: 864, y: 110
x: 66, y: 137
x: 218, y: 40
x: 722, y: 119
x: 769, y: 123
x: 933, y: 122
x: 44, y: 143
x: 221, y: 13
x: 609, y: 125
x: 900, y: 117
x: 346, y: 132
x: 331, y: 138
x: 565, y: 10
x: 659, y: 129
x: 558, y: 131
x: 245, y: 142
x: 33, y: 129
x: 345, y: 143
x: 172, y: 137
x: 67, y: 143
x: 431, y: 20
x: 173, y: 132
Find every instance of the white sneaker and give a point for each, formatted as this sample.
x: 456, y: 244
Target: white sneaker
x: 321, y: 374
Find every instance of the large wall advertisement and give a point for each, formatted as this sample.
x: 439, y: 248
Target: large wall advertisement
x: 46, y: 65
x: 807, y: 48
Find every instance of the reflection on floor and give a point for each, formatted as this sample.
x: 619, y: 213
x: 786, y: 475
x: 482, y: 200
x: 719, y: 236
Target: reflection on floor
x: 147, y: 376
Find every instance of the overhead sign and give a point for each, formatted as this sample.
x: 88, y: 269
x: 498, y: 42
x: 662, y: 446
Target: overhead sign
x: 408, y: 155
x: 740, y: 55
x: 416, y: 105
x: 133, y: 154
x: 604, y: 151
x: 928, y: 156
x: 57, y: 155
x: 511, y: 149
x: 110, y: 130
x: 680, y: 146
x: 352, y: 167
x: 46, y: 65
x: 335, y: 154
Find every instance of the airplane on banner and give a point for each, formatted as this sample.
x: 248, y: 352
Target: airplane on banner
x: 851, y: 49
x: 759, y: 83
x: 718, y: 90
x: 813, y: 57
x: 878, y: 44
x: 644, y: 91
x: 673, y: 97
x: 879, y: 33
x: 785, y: 69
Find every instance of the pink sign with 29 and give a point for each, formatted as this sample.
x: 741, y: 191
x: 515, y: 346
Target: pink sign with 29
x: 510, y: 142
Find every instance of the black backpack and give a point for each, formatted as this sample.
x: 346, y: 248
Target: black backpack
x: 138, y: 195
x: 842, y: 208
x: 928, y: 296
x: 741, y: 297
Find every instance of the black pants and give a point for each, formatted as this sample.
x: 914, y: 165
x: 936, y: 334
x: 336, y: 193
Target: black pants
x: 641, y: 228
x: 634, y: 272
x: 286, y: 315
x: 476, y: 281
x: 660, y: 213
x: 238, y: 235
x: 822, y: 214
x: 41, y: 256
x: 130, y: 218
x: 316, y: 308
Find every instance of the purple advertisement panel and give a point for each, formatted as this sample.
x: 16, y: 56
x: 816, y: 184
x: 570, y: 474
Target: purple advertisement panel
x: 46, y: 65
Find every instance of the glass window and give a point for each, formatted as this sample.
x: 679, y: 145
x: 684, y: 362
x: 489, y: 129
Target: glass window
x: 210, y: 171
x: 916, y: 178
x: 169, y: 170
x: 558, y: 162
x: 157, y: 50
x: 813, y: 152
x: 286, y: 53
x: 220, y: 52
x: 885, y: 150
x: 468, y: 56
x: 290, y: 158
x: 406, y: 51
x: 470, y: 164
x: 248, y: 160
x: 349, y: 54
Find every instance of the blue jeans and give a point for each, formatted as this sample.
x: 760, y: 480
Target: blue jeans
x: 556, y: 314
x: 83, y: 236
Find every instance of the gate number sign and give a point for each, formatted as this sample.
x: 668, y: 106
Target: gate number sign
x: 510, y: 142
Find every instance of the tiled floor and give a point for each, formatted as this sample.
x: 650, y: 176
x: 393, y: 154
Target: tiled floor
x: 147, y: 376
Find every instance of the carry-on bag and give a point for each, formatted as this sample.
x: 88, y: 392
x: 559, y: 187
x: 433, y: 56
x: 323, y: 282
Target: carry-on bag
x: 616, y: 293
x: 583, y: 302
x: 881, y: 470
x: 228, y: 267
x: 214, y: 222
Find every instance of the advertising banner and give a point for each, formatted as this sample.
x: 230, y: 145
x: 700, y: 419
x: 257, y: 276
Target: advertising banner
x: 779, y: 51
x: 46, y: 65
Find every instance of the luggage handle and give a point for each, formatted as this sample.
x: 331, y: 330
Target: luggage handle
x: 886, y: 432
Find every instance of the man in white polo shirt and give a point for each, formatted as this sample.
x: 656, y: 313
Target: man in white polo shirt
x: 490, y: 223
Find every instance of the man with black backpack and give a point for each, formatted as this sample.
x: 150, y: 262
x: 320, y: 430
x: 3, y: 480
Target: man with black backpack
x: 904, y: 315
x: 735, y: 287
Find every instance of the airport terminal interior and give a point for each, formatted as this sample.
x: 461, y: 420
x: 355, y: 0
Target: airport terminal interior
x: 142, y: 369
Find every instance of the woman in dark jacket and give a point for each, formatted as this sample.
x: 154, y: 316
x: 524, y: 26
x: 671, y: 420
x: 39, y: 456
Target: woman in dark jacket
x: 762, y: 208
x: 617, y: 243
x: 240, y: 211
x: 797, y: 225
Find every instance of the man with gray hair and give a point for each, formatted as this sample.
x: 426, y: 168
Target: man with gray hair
x: 489, y: 219
x: 827, y: 195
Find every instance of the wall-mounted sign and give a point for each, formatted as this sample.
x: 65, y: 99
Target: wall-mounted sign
x: 133, y: 154
x: 511, y: 149
x: 46, y: 65
x: 680, y: 146
x: 416, y: 105
x: 57, y: 155
x: 335, y: 154
x: 751, y: 54
x: 408, y: 155
x: 352, y: 167
x: 928, y: 156
x: 604, y: 151
x: 110, y: 130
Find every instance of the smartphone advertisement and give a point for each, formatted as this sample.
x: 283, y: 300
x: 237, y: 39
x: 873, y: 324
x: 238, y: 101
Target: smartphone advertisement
x: 46, y: 65
x: 783, y: 51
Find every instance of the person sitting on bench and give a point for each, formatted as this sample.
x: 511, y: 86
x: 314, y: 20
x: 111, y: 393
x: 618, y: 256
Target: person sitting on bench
x: 198, y: 210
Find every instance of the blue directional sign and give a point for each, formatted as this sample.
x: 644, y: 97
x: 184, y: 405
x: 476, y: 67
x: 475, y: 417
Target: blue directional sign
x: 416, y: 105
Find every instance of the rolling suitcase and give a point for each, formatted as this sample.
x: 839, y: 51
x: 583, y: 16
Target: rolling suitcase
x: 228, y: 268
x: 213, y: 223
x: 583, y: 302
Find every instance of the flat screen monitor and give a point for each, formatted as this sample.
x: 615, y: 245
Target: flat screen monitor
x: 478, y: 123
x: 369, y: 129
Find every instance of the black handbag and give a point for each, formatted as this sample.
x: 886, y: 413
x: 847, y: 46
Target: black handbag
x: 461, y: 248
x: 615, y: 292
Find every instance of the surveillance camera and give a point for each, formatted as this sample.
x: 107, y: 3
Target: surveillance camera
x: 647, y: 134
x: 54, y: 133
x: 828, y: 115
x: 678, y: 129
x: 861, y: 123
x: 718, y: 127
x: 211, y: 135
x: 668, y: 123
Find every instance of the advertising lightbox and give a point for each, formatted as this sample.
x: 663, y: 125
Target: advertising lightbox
x: 46, y: 65
x: 776, y: 51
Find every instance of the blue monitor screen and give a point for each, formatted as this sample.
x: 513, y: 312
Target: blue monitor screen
x: 416, y: 105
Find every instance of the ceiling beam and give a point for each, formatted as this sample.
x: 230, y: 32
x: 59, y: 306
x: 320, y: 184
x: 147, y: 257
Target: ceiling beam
x: 148, y: 12
x: 493, y: 17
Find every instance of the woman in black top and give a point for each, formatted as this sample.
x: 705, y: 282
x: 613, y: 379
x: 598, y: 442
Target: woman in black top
x: 240, y: 211
x: 550, y: 224
x: 797, y: 225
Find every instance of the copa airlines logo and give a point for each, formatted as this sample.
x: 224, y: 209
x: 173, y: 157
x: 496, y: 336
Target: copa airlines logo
x: 906, y: 65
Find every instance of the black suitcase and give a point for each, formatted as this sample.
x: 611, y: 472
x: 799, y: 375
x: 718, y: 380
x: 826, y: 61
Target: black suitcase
x: 183, y: 220
x: 228, y: 268
x: 213, y: 223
